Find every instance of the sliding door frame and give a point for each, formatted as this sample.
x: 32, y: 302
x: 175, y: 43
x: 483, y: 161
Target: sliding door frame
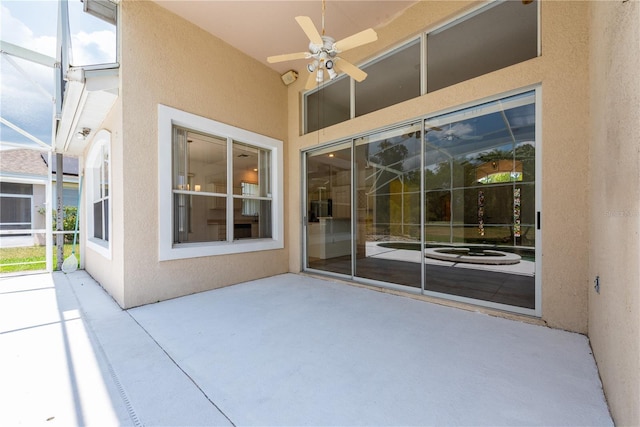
x: 536, y: 311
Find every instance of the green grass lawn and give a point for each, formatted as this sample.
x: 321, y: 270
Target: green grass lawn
x: 30, y: 258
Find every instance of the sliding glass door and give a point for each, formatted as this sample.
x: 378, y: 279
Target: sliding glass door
x: 445, y: 206
x: 480, y: 204
x: 387, y: 171
x: 328, y: 205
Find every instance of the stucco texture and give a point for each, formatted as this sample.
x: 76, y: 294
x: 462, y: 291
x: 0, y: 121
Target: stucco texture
x: 167, y: 60
x: 614, y: 312
x: 562, y: 73
x: 109, y: 272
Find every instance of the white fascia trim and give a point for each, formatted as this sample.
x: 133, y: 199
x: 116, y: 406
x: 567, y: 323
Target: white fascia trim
x: 80, y: 83
x: 167, y: 118
x: 74, y: 100
x: 20, y: 178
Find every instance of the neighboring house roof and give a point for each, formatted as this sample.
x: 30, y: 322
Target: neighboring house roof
x: 69, y: 165
x: 27, y: 162
x: 33, y: 163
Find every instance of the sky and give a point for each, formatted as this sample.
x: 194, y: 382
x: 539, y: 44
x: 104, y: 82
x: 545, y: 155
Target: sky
x: 32, y: 24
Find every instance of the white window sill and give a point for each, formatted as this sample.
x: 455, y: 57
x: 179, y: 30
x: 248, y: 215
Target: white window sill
x: 99, y: 246
x: 194, y: 250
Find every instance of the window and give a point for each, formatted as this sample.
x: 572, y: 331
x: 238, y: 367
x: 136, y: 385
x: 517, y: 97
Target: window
x: 494, y: 37
x: 328, y: 105
x: 392, y: 79
x: 224, y: 192
x: 491, y: 37
x: 16, y: 200
x: 98, y: 172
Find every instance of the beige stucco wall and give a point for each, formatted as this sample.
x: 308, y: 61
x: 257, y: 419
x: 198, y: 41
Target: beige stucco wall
x: 562, y: 71
x: 614, y: 313
x: 109, y: 272
x: 167, y: 60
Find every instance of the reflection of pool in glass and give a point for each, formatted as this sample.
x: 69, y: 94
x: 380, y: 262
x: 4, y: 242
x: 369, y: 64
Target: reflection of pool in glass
x: 472, y: 256
x: 526, y: 254
x: 470, y: 252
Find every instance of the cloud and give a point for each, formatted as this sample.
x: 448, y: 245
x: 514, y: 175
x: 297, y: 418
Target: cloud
x: 98, y: 47
x: 460, y: 129
x: 16, y: 32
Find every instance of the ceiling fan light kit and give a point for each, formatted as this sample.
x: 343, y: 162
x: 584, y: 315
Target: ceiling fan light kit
x: 324, y: 51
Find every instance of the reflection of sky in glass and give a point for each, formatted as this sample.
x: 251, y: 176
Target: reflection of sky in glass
x: 93, y: 40
x: 478, y: 134
x: 33, y: 25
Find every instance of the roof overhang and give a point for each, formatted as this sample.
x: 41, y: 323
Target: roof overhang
x: 89, y: 95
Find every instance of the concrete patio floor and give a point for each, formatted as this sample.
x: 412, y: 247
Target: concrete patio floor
x: 286, y: 350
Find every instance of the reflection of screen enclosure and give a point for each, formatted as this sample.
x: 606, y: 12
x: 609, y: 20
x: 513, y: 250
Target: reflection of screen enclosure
x: 480, y: 175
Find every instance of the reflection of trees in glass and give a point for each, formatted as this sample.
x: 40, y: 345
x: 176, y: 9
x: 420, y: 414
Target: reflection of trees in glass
x: 397, y: 212
x: 452, y: 191
x: 391, y: 154
x: 440, y: 176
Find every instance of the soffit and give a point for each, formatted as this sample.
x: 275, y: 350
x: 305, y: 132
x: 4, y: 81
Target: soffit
x: 265, y: 28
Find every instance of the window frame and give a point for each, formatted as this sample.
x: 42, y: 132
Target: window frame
x: 95, y: 162
x: 463, y: 18
x: 167, y: 250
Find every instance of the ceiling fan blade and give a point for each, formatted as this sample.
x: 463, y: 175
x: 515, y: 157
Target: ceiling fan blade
x: 310, y: 30
x: 311, y: 81
x: 288, y: 57
x: 350, y: 69
x: 358, y: 39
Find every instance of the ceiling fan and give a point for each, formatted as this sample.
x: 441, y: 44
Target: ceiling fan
x: 324, y: 51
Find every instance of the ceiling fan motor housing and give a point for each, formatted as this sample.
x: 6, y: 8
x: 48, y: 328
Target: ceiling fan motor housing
x: 327, y: 47
x: 323, y: 58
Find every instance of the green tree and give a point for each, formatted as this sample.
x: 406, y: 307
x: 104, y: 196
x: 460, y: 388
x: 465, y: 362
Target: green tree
x: 68, y: 221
